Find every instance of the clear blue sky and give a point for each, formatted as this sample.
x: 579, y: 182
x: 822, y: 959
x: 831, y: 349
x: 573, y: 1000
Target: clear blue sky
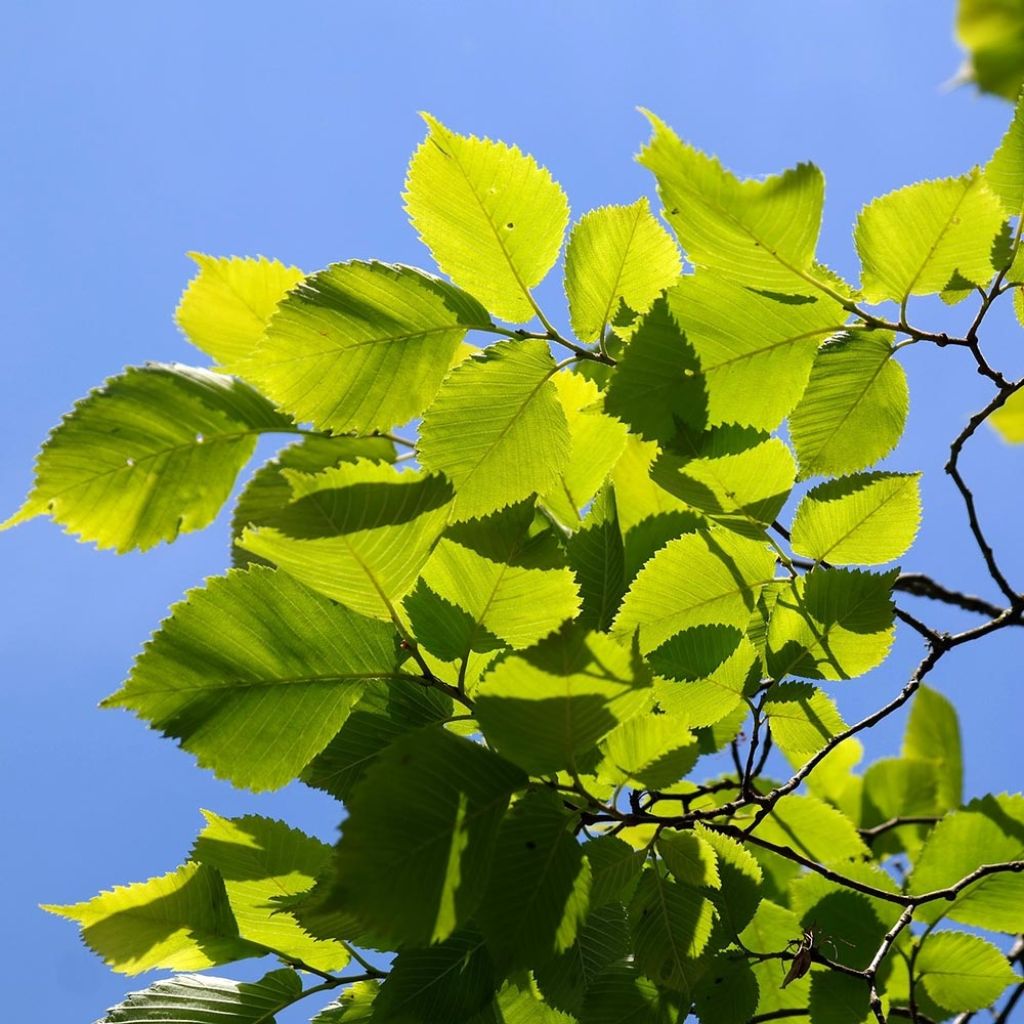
x: 135, y: 132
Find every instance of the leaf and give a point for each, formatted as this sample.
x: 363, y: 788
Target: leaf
x: 520, y: 1003
x: 615, y: 869
x: 933, y: 734
x: 520, y: 441
x: 353, y: 1006
x: 1008, y: 419
x: 869, y: 518
x: 648, y: 751
x: 596, y: 442
x: 695, y: 580
x: 759, y: 233
x: 621, y: 995
x: 447, y: 982
x: 491, y: 217
x: 735, y: 477
x: 597, y: 556
x: 914, y: 240
x: 537, y: 894
x: 151, y: 454
x: 831, y: 624
x: 362, y: 346
x: 671, y: 925
x: 357, y: 532
x: 846, y: 927
x: 802, y: 720
x: 991, y: 34
x: 226, y: 306
x: 261, y: 703
x: 656, y: 385
x: 963, y: 972
x: 989, y: 830
x: 268, y: 491
x: 180, y: 921
x: 736, y: 362
x: 489, y: 583
x: 200, y: 999
x: 737, y: 898
x: 838, y: 999
x: 381, y: 715
x: 416, y: 847
x: 545, y: 707
x: 1004, y: 173
x: 769, y: 931
x: 616, y: 254
x: 854, y: 408
x: 689, y: 858
x: 728, y: 993
x: 259, y: 860
x: 811, y: 827
x: 603, y: 940
x: 896, y: 787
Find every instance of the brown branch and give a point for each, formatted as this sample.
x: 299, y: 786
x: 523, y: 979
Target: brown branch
x: 868, y: 834
x: 874, y: 999
x: 920, y: 585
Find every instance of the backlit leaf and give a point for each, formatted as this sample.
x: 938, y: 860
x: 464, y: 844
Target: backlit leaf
x: 616, y: 254
x: 491, y: 217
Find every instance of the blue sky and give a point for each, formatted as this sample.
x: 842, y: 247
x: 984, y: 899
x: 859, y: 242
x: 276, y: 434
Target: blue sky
x: 135, y: 132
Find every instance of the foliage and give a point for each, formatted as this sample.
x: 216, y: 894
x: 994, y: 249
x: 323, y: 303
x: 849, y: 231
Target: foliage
x: 513, y: 650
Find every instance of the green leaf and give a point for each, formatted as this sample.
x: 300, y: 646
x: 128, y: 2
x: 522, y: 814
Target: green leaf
x: 1004, y: 173
x: 353, y: 1006
x: 802, y: 720
x: 770, y: 930
x: 963, y: 972
x: 734, y: 476
x: 597, y: 556
x: 737, y: 898
x: 813, y: 828
x: 260, y: 859
x: 537, y: 894
x: 987, y: 831
x: 614, y: 867
x: 357, y: 532
x: 838, y: 999
x: 262, y: 702
x: 621, y: 995
x: 993, y: 35
x: 854, y: 408
x: 689, y: 858
x: 761, y: 233
x: 616, y: 254
x: 671, y: 925
x: 728, y: 993
x: 933, y: 734
x: 896, y: 787
x: 914, y: 240
x: 695, y: 580
x: 1008, y: 419
x: 596, y: 442
x: 847, y: 928
x: 200, y: 999
x: 544, y: 708
x: 656, y: 385
x: 180, y: 921
x: 381, y: 715
x: 226, y: 306
x: 151, y: 454
x: 488, y: 583
x: 362, y: 346
x: 268, y: 491
x: 831, y: 624
x: 736, y: 361
x: 491, y: 217
x: 520, y: 440
x: 648, y: 751
x: 446, y: 982
x: 868, y: 519
x: 416, y: 848
x: 519, y: 1002
x: 603, y: 940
